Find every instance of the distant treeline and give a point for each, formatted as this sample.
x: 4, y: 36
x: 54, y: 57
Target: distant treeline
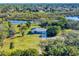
x: 20, y: 5
x: 37, y: 5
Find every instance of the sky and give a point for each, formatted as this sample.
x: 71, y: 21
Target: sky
x: 39, y: 1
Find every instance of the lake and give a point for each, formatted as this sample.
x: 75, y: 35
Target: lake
x: 76, y: 18
x: 19, y: 21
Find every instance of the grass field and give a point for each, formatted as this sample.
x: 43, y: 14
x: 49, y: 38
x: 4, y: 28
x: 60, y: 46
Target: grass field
x: 28, y: 41
x: 21, y: 42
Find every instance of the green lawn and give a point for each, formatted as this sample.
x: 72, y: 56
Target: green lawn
x: 22, y: 42
x: 28, y: 41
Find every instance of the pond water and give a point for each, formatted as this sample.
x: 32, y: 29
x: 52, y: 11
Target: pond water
x: 19, y: 21
x: 43, y: 35
x: 41, y: 31
x: 76, y: 18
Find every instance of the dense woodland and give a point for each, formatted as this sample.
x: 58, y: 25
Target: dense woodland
x: 62, y: 34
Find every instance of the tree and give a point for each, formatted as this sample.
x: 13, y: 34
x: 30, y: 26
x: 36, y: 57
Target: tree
x: 53, y: 31
x: 22, y: 29
x: 71, y: 24
x: 28, y: 24
x: 44, y: 24
x: 62, y: 21
x: 59, y: 48
x: 31, y: 52
x: 71, y: 38
x: 72, y: 51
x: 54, y: 47
x: 9, y: 24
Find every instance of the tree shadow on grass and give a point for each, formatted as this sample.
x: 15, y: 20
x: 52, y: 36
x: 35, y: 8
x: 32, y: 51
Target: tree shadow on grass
x: 29, y: 33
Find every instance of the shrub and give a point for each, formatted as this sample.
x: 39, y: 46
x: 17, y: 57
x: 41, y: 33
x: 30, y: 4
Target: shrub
x: 72, y: 25
x: 53, y: 31
x: 59, y: 48
x: 26, y: 52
